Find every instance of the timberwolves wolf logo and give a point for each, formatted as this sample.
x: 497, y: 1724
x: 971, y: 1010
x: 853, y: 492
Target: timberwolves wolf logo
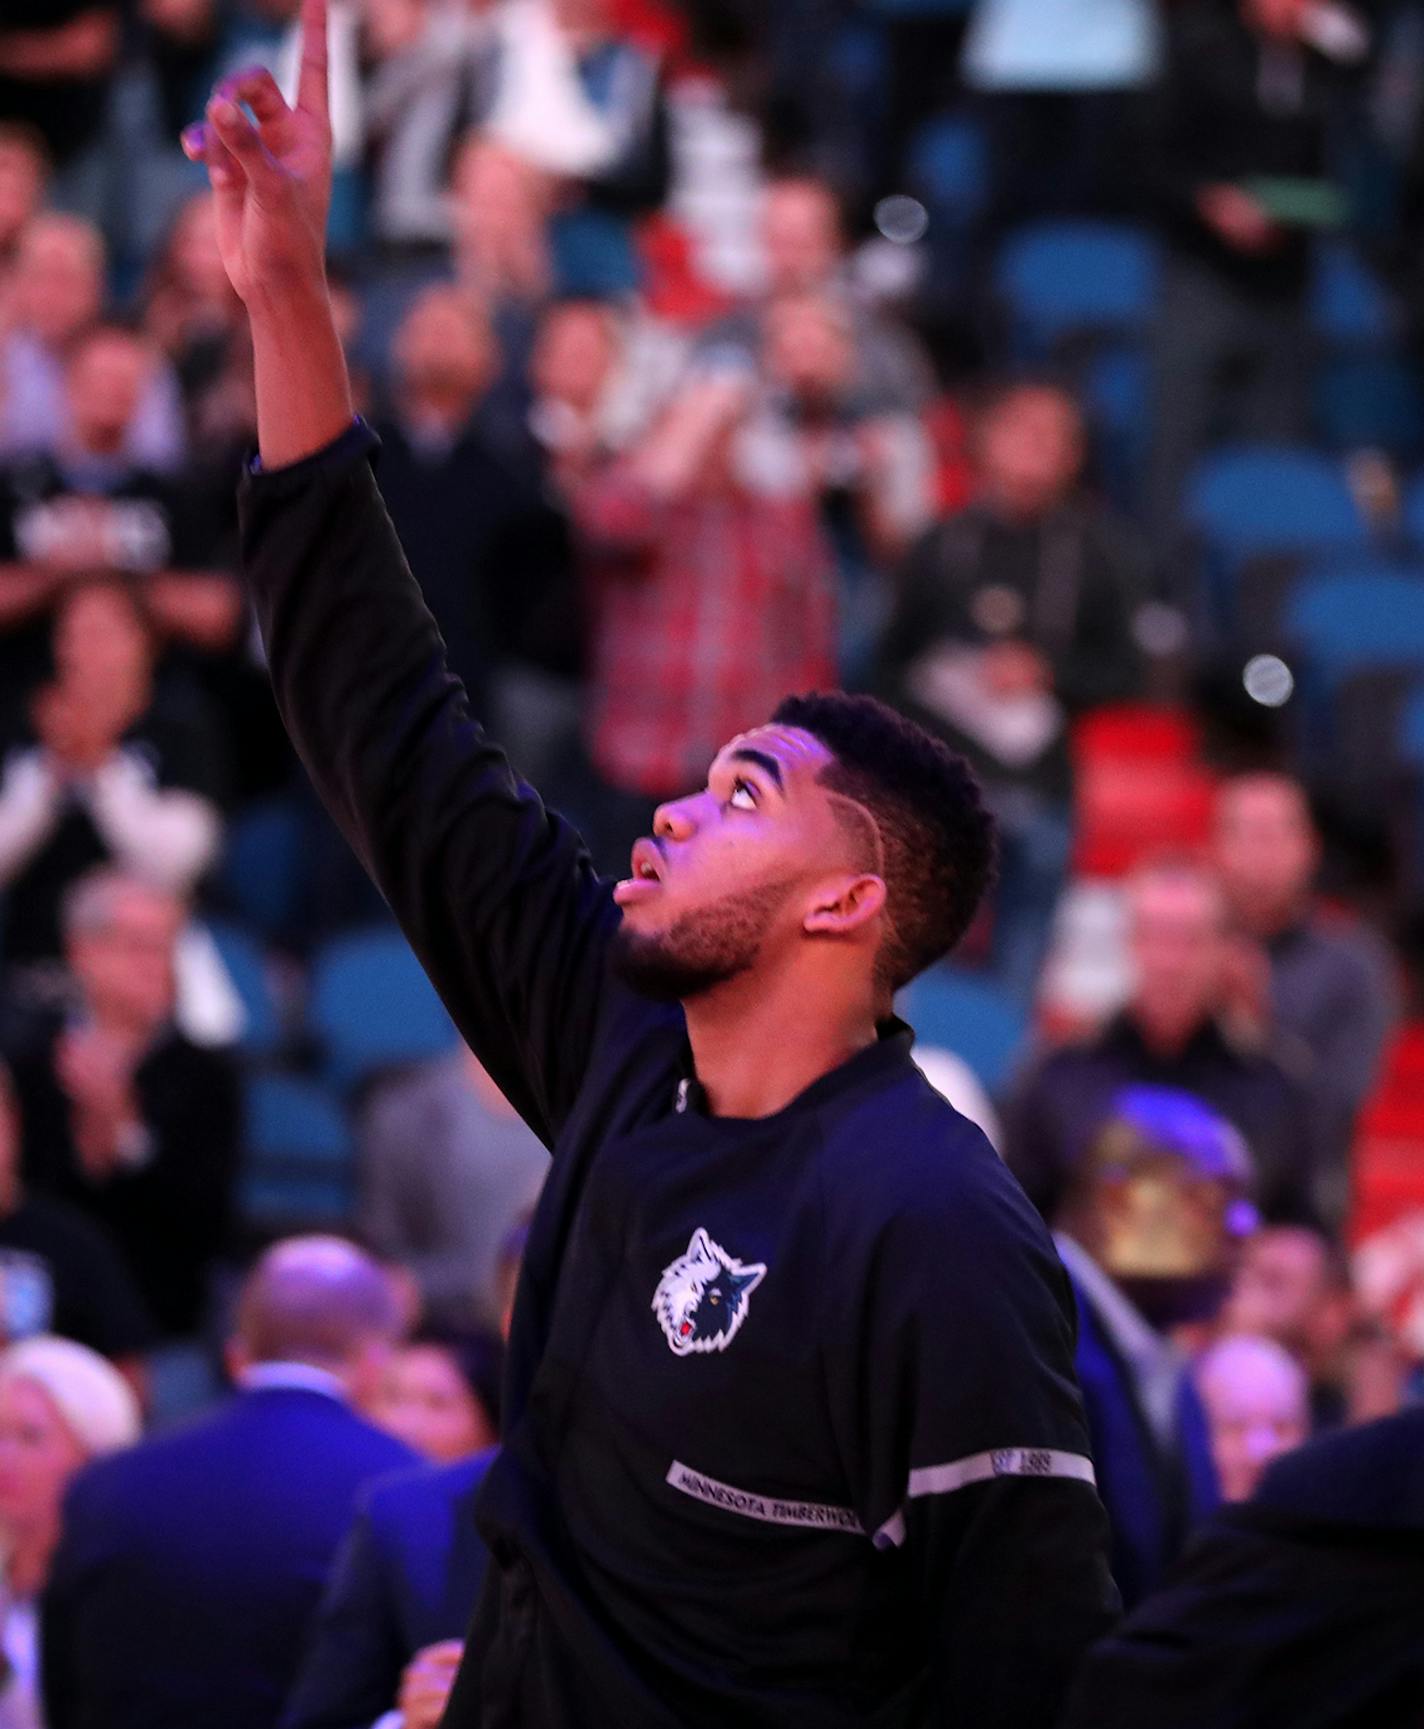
x: 702, y: 1297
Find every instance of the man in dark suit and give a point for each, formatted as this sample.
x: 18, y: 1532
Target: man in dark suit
x: 190, y: 1566
x: 1299, y: 1607
x: 397, y: 1605
x: 1147, y: 1231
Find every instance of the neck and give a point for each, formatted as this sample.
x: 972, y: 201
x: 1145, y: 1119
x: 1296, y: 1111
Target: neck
x: 1266, y: 920
x: 755, y: 1049
x: 27, y: 1563
x: 128, y: 1027
x: 1166, y: 1035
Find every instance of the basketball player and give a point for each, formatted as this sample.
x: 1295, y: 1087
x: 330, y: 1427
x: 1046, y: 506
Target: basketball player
x: 792, y: 1433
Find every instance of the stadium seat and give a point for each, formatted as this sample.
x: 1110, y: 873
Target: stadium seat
x: 372, y: 1007
x: 300, y: 1166
x: 247, y: 967
x: 1140, y: 787
x: 1062, y: 280
x: 1369, y: 402
x: 263, y: 875
x: 949, y: 169
x: 1247, y: 499
x: 1352, y: 616
x: 960, y: 1012
x: 1349, y: 307
x: 1117, y: 393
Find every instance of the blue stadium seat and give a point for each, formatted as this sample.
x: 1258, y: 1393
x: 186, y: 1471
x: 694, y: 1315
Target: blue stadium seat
x: 300, y: 1166
x: 1075, y: 278
x: 263, y: 875
x: 1369, y: 402
x: 971, y: 1016
x: 1355, y: 615
x: 1248, y: 499
x: 1117, y: 394
x: 949, y: 169
x: 372, y: 1007
x: 1349, y: 307
x: 247, y: 968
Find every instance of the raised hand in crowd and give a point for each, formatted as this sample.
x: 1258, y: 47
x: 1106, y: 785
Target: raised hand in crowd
x: 426, y: 1684
x: 95, y: 1069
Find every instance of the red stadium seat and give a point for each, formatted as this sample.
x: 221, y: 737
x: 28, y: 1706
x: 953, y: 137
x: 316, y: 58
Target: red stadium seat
x: 1141, y: 787
x: 1389, y: 1147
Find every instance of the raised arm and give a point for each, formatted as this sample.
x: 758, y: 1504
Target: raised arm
x: 496, y: 895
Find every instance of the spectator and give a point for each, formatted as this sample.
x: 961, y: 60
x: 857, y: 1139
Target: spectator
x: 486, y: 547
x: 1063, y: 95
x: 440, y: 1395
x: 24, y: 169
x: 1012, y: 617
x: 392, y: 1623
x: 57, y: 294
x: 556, y: 83
x: 123, y: 1116
x: 953, y: 1079
x: 1332, y: 985
x: 447, y: 1168
x: 389, y: 1636
x: 1147, y: 1229
x: 61, y: 1406
x: 415, y: 98
x: 87, y: 507
x: 57, y: 58
x: 870, y: 471
x: 502, y: 260
x: 1301, y: 1607
x: 189, y: 1568
x: 597, y: 374
x: 804, y: 248
x: 1258, y: 1406
x: 1241, y: 164
x: 192, y: 314
x: 709, y: 599
x: 1170, y: 1033
x: 111, y: 769
x: 59, y: 1272
x: 1294, y: 1286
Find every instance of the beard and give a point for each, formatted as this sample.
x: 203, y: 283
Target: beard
x: 701, y: 949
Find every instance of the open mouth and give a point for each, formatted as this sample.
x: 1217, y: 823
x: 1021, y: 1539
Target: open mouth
x: 647, y: 867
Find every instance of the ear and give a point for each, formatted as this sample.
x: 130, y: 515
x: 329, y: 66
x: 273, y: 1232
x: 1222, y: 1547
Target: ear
x: 844, y: 905
x: 699, y: 1249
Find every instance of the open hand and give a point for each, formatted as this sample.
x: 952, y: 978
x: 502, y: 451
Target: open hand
x: 271, y: 171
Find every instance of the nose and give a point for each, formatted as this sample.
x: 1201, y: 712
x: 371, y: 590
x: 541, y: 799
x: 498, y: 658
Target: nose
x: 676, y: 821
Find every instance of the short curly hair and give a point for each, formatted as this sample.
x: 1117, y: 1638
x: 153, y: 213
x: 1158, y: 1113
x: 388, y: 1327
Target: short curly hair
x: 938, y: 841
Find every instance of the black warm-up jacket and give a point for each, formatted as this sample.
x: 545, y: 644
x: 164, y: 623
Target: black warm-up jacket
x: 792, y: 1435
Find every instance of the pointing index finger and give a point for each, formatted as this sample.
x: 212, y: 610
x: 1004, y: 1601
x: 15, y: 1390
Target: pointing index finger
x: 312, y: 93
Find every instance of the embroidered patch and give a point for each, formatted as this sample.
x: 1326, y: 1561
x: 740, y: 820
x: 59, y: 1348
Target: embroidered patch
x: 702, y: 1298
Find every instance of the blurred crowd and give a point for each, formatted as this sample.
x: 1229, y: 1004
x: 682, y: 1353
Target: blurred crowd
x: 1051, y: 368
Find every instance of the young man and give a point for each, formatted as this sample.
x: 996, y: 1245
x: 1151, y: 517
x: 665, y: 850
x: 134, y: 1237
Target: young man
x: 792, y: 1435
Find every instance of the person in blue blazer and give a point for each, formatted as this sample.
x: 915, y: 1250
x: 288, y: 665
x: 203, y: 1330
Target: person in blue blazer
x: 1148, y: 1231
x: 397, y: 1604
x: 190, y: 1566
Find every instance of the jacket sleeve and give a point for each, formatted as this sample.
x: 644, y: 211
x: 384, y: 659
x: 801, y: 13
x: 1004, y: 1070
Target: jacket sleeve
x: 969, y: 1453
x: 496, y: 895
x: 351, y: 1671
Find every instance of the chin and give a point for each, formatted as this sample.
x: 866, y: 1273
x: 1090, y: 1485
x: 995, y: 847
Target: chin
x: 651, y: 965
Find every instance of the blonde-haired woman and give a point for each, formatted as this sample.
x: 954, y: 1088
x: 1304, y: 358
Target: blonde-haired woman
x: 61, y: 1405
